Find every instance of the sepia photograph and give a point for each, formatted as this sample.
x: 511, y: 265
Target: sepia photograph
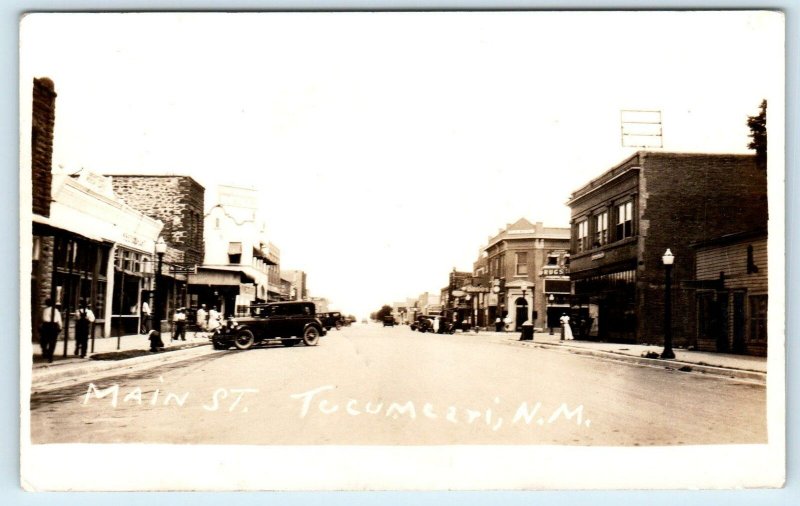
x: 446, y: 250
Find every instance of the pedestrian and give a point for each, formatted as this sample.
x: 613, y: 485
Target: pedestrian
x: 49, y: 329
x: 214, y: 319
x: 202, y: 318
x: 498, y: 324
x: 84, y: 318
x: 179, y: 319
x: 155, y: 341
x: 506, y: 323
x: 566, y: 328
x: 145, y: 317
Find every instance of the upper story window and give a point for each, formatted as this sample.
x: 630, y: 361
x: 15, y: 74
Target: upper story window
x: 624, y: 220
x: 234, y: 252
x: 552, y: 259
x: 582, y: 235
x: 522, y: 264
x: 601, y: 229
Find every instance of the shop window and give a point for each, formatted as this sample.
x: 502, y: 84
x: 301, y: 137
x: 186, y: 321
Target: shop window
x: 582, y: 235
x: 601, y: 229
x: 758, y: 318
x: 624, y: 220
x: 522, y: 264
x: 552, y: 259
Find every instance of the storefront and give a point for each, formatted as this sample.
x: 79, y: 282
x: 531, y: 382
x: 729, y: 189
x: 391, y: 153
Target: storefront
x: 84, y: 249
x: 604, y: 306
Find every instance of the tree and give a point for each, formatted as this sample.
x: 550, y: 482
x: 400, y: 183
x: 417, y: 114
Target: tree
x: 758, y: 132
x: 384, y: 311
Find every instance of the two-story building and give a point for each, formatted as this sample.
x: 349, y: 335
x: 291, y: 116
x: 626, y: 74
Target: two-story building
x: 623, y: 222
x: 524, y: 264
x: 240, y: 266
x: 177, y: 201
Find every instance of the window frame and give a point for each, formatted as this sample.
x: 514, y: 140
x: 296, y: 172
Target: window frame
x: 523, y: 264
x: 623, y: 228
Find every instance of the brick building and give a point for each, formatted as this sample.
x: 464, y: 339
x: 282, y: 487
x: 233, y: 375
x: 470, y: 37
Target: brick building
x: 525, y: 264
x: 178, y: 202
x: 624, y: 220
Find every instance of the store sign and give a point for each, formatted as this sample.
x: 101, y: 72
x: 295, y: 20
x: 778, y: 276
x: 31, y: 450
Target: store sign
x: 247, y: 292
x: 133, y: 240
x: 555, y: 271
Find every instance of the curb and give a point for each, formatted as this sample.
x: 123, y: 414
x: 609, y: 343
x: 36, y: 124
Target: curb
x: 93, y: 367
x: 667, y: 364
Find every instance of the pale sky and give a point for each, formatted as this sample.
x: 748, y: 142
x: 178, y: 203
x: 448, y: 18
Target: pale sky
x: 387, y: 147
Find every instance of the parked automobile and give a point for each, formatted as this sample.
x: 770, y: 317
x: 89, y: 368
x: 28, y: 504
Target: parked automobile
x: 388, y: 321
x: 331, y: 320
x: 287, y: 322
x: 423, y: 323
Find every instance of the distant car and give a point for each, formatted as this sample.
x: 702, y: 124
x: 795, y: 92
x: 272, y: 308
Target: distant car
x: 287, y: 322
x: 331, y: 320
x: 388, y: 321
x: 423, y: 323
x: 364, y: 321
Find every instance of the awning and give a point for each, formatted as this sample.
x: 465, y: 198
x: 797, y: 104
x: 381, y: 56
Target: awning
x: 234, y: 248
x: 215, y: 277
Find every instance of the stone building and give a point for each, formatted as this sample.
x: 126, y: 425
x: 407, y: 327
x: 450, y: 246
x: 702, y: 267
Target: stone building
x: 178, y: 202
x: 624, y: 220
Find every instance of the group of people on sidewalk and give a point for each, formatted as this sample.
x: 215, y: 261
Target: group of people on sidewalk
x: 51, y: 326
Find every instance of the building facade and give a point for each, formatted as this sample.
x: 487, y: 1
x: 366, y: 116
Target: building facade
x: 84, y: 239
x: 623, y: 222
x: 526, y: 263
x: 176, y: 201
x: 297, y: 281
x: 732, y: 293
x: 240, y: 266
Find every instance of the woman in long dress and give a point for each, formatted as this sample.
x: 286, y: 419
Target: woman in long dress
x: 567, y: 329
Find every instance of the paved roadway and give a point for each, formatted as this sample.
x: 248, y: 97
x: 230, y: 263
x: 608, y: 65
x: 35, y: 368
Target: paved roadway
x: 372, y: 385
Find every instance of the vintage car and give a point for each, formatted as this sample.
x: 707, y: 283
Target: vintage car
x: 388, y: 321
x: 287, y: 322
x: 424, y: 323
x: 331, y: 320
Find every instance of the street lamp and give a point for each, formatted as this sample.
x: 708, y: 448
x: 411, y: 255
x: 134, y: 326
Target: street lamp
x: 498, y: 312
x: 668, y: 260
x: 549, y: 319
x: 161, y: 248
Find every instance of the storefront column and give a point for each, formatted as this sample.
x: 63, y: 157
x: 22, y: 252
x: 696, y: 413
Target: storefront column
x: 109, y: 295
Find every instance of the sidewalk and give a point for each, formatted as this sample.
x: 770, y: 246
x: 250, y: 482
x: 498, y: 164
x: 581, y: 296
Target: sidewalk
x: 740, y: 366
x: 110, y: 345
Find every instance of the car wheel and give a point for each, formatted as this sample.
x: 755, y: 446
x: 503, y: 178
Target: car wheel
x: 311, y: 336
x: 218, y: 346
x: 245, y: 340
x: 338, y: 326
x: 290, y: 342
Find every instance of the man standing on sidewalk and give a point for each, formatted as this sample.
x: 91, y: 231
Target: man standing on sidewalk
x: 48, y: 332
x: 84, y: 318
x: 179, y: 319
x: 145, y: 317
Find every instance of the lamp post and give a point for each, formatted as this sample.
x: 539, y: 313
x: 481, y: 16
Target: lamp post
x: 161, y: 248
x: 498, y: 312
x: 668, y: 260
x: 550, y: 320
